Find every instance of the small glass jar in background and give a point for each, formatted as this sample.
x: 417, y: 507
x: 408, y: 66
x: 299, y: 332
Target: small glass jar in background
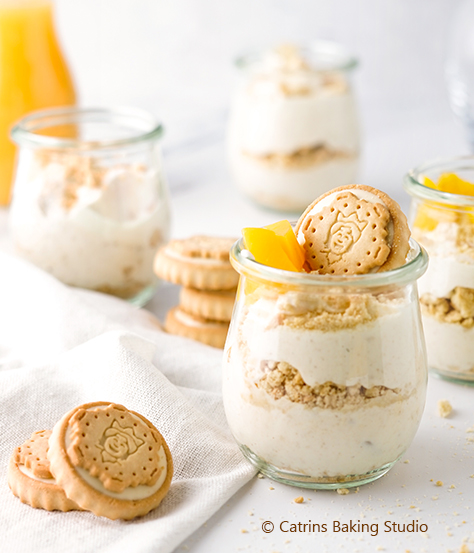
x: 293, y: 131
x: 324, y: 377
x: 90, y: 202
x: 443, y: 223
x: 459, y: 67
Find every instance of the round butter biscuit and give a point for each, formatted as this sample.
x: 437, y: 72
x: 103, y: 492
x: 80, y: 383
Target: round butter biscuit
x: 217, y: 305
x: 110, y: 461
x: 353, y: 229
x: 200, y: 262
x: 212, y: 333
x: 30, y: 478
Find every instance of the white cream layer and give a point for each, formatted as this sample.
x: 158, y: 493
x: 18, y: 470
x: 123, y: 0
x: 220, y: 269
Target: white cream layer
x: 27, y: 472
x: 450, y: 346
x: 284, y: 125
x: 378, y: 352
x: 290, y: 188
x: 445, y: 273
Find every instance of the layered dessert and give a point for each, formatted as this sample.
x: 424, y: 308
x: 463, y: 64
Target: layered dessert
x: 325, y: 369
x: 90, y: 223
x: 447, y: 289
x: 293, y: 131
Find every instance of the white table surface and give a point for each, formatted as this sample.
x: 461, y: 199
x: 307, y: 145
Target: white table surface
x: 205, y: 201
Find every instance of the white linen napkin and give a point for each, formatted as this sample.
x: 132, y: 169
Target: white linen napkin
x: 60, y: 347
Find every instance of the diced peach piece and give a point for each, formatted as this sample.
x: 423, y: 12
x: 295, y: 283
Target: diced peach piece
x: 267, y: 248
x: 293, y: 249
x: 449, y: 182
x: 425, y: 218
x: 429, y: 183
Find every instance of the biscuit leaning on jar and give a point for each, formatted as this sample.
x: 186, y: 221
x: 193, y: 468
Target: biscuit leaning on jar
x: 320, y: 362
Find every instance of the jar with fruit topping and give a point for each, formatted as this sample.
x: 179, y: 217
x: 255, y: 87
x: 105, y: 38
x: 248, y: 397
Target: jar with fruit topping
x: 324, y: 376
x: 442, y: 220
x: 293, y: 130
x: 90, y: 201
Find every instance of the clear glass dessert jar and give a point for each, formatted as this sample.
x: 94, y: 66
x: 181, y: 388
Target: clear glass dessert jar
x: 293, y: 130
x: 443, y: 222
x: 324, y: 377
x: 90, y: 203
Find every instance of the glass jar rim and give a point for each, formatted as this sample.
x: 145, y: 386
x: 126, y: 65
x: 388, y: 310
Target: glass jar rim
x: 413, y: 186
x: 25, y: 131
x: 413, y: 269
x: 331, y: 53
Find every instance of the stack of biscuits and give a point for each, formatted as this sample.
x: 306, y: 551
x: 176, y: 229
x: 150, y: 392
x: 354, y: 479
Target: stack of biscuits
x: 201, y: 265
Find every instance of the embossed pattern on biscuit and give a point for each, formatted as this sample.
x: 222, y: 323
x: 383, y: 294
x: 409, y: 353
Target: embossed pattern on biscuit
x: 33, y: 454
x: 348, y: 236
x: 114, y: 446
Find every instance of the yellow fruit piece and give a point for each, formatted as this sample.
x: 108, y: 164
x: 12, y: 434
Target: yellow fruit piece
x: 449, y: 182
x: 290, y: 244
x: 267, y: 248
x: 429, y: 183
x: 425, y: 218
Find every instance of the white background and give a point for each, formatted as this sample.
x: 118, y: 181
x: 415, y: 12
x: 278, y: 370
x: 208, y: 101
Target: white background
x: 173, y: 57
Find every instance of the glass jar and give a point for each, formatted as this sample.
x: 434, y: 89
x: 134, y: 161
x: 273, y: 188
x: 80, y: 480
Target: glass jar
x: 325, y: 377
x: 90, y: 203
x: 34, y: 74
x: 293, y: 131
x: 444, y: 224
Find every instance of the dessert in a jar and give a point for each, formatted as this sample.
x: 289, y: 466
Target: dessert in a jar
x: 442, y: 219
x: 324, y: 376
x: 90, y: 202
x: 293, y: 131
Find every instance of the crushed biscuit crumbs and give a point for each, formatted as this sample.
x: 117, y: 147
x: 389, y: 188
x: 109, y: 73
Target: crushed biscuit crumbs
x: 244, y: 531
x: 342, y: 491
x: 260, y: 475
x: 301, y: 158
x: 457, y: 307
x: 271, y: 488
x: 283, y: 380
x: 464, y: 548
x: 444, y: 408
x: 299, y: 499
x: 439, y: 483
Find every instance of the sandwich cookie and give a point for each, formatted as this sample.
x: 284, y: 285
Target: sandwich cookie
x: 30, y: 478
x: 353, y: 229
x: 212, y: 333
x: 110, y: 461
x: 200, y: 262
x: 215, y: 305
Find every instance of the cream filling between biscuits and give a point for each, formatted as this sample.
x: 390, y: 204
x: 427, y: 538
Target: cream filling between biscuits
x: 197, y: 260
x: 361, y: 195
x: 141, y: 491
x: 188, y: 320
x: 27, y: 472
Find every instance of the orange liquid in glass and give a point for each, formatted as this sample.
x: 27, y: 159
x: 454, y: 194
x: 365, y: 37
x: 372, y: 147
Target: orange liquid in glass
x: 33, y: 73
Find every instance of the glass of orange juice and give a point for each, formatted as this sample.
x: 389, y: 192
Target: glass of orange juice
x: 33, y: 72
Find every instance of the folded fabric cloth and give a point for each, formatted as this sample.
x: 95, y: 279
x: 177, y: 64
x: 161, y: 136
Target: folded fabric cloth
x: 61, y: 347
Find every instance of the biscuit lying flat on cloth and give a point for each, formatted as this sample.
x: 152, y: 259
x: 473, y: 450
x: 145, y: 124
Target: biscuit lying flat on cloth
x: 353, y: 229
x: 200, y: 262
x: 212, y: 333
x: 215, y: 305
x: 110, y: 461
x: 30, y: 478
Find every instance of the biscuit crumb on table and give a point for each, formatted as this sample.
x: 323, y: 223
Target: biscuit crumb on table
x: 444, y: 408
x: 342, y: 491
x: 299, y: 499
